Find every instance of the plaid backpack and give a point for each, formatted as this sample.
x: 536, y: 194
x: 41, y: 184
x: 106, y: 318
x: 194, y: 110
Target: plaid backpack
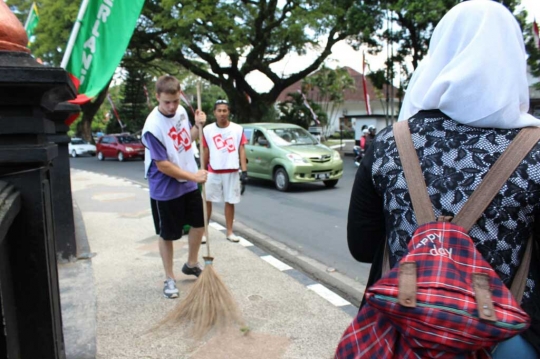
x: 442, y: 299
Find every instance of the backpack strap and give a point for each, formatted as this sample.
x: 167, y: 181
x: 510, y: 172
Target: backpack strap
x: 422, y: 206
x: 475, y: 206
x: 497, y: 176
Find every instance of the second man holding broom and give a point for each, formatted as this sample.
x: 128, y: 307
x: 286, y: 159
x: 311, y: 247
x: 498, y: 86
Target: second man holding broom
x: 172, y: 177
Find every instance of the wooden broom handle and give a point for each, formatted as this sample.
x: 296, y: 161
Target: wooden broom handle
x: 201, y: 159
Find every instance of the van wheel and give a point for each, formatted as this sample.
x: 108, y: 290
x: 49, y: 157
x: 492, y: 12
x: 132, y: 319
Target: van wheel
x: 73, y: 153
x: 100, y: 156
x: 330, y: 183
x: 281, y: 179
x: 120, y: 156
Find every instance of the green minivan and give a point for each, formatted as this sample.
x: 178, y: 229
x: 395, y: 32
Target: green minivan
x: 287, y: 153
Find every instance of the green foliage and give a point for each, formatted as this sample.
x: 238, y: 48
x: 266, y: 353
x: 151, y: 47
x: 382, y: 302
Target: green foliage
x: 327, y: 88
x: 56, y: 18
x: 345, y: 134
x: 411, y: 24
x: 295, y: 111
x: 532, y: 49
x: 248, y: 36
x: 134, y: 107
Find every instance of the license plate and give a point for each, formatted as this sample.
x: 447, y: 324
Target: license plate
x: 322, y: 176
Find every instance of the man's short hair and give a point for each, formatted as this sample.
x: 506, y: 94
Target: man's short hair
x: 167, y: 84
x: 221, y: 102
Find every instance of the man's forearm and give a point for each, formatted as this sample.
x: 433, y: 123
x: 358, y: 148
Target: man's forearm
x: 172, y: 170
x: 243, y: 162
x: 194, y: 133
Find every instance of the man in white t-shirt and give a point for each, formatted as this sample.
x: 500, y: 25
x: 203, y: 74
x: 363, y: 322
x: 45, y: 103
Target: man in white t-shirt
x: 224, y: 155
x: 173, y: 177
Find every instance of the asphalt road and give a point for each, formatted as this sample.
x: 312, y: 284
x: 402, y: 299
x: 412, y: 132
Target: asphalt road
x: 309, y: 218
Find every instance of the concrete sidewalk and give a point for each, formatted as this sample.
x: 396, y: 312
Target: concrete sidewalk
x: 116, y: 294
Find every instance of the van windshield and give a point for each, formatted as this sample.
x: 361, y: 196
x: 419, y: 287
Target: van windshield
x: 291, y: 136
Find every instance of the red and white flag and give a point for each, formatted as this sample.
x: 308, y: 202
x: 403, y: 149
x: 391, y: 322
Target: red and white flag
x: 364, y: 84
x: 185, y: 100
x: 536, y: 34
x: 115, y: 112
x: 309, y: 107
x: 147, y: 97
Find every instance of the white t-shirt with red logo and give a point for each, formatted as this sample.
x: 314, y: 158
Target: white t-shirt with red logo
x: 223, y: 144
x: 174, y: 134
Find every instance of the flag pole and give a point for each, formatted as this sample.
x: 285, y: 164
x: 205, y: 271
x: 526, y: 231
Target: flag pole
x: 29, y: 15
x: 74, y: 33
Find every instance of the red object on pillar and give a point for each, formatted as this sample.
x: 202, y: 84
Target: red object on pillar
x: 12, y: 34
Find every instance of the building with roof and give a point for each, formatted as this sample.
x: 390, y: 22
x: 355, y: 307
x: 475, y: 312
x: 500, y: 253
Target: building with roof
x: 352, y: 113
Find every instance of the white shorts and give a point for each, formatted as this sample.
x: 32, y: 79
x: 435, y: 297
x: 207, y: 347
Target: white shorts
x: 223, y: 187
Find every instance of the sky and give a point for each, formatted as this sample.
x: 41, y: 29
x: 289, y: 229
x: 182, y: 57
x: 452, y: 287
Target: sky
x: 344, y: 55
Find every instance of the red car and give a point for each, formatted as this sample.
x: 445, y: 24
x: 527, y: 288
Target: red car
x: 121, y: 146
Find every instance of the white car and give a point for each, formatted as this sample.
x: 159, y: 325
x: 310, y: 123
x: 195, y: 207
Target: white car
x: 78, y: 147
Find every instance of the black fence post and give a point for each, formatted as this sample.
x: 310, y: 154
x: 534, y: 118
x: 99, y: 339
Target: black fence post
x: 66, y: 245
x: 29, y: 92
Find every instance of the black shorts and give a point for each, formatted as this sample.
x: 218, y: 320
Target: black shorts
x: 171, y: 216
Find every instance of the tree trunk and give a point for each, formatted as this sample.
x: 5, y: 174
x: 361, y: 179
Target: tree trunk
x: 89, y: 110
x: 258, y: 110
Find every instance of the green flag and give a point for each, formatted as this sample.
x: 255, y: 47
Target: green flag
x: 31, y: 22
x: 106, y: 28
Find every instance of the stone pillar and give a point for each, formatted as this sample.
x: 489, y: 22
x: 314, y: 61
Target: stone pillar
x: 29, y: 92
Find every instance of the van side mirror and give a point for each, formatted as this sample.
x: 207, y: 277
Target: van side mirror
x: 262, y: 141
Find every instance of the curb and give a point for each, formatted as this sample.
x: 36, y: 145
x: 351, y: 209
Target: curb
x: 282, y: 252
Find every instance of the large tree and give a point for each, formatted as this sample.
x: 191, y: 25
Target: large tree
x: 225, y: 41
x: 407, y: 30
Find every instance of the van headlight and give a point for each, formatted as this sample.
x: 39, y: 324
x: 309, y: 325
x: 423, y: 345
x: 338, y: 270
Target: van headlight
x: 296, y: 158
x: 337, y: 156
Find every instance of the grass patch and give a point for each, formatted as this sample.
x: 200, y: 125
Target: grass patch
x: 331, y: 143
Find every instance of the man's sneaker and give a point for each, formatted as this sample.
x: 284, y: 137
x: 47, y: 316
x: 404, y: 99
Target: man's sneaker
x: 233, y: 238
x: 357, y: 164
x: 196, y: 270
x: 203, y: 240
x: 170, y: 291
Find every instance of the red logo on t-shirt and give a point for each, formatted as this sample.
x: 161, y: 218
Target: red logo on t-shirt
x: 180, y: 139
x: 221, y: 143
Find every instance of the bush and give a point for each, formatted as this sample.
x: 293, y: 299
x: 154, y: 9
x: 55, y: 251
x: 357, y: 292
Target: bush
x: 347, y: 135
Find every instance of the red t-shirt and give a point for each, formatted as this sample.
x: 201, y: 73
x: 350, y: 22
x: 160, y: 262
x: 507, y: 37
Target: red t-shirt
x: 363, y: 142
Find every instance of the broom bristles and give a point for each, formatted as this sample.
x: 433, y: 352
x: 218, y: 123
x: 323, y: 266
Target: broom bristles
x: 209, y: 304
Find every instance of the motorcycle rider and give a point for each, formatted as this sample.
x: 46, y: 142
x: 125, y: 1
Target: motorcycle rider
x: 360, y: 150
x: 370, y: 137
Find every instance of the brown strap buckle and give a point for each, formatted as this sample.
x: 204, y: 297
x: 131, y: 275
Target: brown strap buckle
x: 407, y: 284
x: 482, y: 293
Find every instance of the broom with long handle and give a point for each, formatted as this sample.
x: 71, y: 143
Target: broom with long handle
x: 209, y: 303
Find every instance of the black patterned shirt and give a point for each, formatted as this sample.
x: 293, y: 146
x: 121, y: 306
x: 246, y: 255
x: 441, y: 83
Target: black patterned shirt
x: 454, y: 159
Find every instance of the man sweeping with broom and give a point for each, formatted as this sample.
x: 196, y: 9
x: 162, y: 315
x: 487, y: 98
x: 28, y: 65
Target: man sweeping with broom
x: 172, y: 177
x: 209, y: 304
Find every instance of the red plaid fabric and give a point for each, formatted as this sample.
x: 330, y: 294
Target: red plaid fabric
x: 445, y: 322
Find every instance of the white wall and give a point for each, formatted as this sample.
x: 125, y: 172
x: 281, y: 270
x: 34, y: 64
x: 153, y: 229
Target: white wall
x: 359, y: 109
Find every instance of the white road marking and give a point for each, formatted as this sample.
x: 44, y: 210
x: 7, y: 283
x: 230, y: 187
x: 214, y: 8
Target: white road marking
x: 276, y: 263
x: 244, y: 242
x: 328, y: 295
x: 217, y: 226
